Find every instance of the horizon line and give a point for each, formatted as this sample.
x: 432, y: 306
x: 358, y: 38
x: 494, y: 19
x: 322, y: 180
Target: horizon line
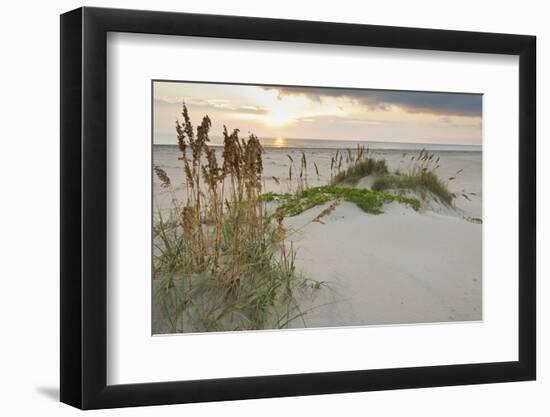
x: 350, y: 140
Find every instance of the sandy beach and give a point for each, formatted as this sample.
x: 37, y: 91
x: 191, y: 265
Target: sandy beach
x: 399, y: 267
x: 402, y: 266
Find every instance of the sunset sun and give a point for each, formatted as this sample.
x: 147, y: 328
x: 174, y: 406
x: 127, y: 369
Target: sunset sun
x: 280, y: 142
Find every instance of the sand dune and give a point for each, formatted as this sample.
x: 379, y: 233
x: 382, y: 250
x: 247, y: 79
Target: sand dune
x: 399, y: 267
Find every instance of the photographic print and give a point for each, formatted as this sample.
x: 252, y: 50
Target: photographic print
x: 291, y: 207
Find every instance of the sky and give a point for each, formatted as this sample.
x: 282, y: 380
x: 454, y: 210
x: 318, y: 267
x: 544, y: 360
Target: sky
x: 320, y: 113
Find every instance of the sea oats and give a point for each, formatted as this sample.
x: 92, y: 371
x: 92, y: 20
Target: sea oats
x: 163, y: 177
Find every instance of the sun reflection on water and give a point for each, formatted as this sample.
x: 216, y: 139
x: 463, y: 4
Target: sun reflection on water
x: 280, y: 142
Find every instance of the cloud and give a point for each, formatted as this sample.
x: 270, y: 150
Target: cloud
x: 445, y: 104
x: 208, y: 105
x: 253, y: 110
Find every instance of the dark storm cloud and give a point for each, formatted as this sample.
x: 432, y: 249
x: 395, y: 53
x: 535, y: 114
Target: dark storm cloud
x: 448, y: 104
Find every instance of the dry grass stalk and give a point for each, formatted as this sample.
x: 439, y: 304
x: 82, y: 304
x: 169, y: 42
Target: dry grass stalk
x: 327, y: 211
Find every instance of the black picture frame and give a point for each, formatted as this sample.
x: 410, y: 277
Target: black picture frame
x: 84, y: 207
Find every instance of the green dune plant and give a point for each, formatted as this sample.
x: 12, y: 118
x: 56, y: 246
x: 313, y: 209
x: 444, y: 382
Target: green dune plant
x: 421, y: 178
x: 349, y: 166
x: 369, y: 201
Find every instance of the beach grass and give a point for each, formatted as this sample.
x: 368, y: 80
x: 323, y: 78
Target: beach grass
x: 221, y: 261
x: 261, y: 293
x: 359, y: 170
x: 421, y: 178
x: 350, y: 165
x: 423, y: 183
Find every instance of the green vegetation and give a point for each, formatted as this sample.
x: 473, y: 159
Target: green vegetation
x: 422, y: 183
x: 421, y: 178
x: 368, y: 200
x: 361, y: 169
x: 349, y: 166
x: 476, y: 220
x: 259, y: 292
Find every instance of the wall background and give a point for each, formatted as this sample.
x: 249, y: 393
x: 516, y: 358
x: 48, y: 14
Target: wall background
x: 29, y: 232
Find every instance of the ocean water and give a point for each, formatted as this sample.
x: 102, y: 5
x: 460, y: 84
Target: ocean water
x: 345, y: 144
x: 339, y: 144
